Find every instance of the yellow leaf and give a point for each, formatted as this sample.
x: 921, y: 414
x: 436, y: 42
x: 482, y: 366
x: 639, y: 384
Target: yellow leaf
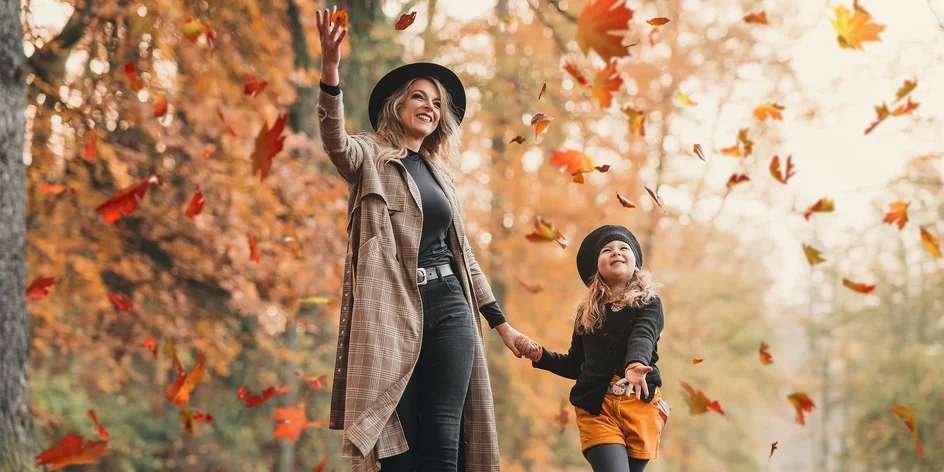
x: 851, y: 31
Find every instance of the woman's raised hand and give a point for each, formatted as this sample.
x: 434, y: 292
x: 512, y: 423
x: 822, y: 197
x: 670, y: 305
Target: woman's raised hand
x: 331, y: 35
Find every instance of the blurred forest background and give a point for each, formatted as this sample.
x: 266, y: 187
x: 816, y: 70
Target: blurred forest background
x: 730, y: 256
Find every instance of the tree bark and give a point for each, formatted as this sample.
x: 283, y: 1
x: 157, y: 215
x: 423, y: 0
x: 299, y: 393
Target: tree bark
x: 16, y: 444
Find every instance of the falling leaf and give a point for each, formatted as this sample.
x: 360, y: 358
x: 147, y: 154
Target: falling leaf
x: 530, y: 288
x: 572, y: 162
x: 160, y: 106
x: 851, y: 31
x: 906, y: 108
x: 405, y: 20
x: 905, y: 89
x: 601, y: 27
x: 698, y: 360
x: 190, y: 417
x: 252, y: 401
x: 802, y: 403
x: 317, y: 383
x: 742, y: 148
x: 517, y: 139
x: 253, y: 86
x: 121, y: 302
x: 39, y: 288
x: 56, y: 189
x: 636, y: 118
x: 219, y: 112
x: 698, y: 152
x: 655, y: 198
x: 150, y: 343
x: 773, y: 447
x: 697, y: 402
x: 196, y: 204
x: 89, y: 152
x: 268, y: 143
x: 294, y: 421
x: 765, y: 357
x: 209, y: 150
x: 907, y: 414
x: 193, y: 29
x: 858, y: 287
x: 652, y: 35
x: 897, y: 213
x: 340, y: 18
x: 658, y: 21
x: 602, y: 169
x: 321, y: 465
x: 624, y: 201
x: 768, y: 110
x: 562, y: 417
x: 684, y: 99
x: 930, y: 243
x: 737, y: 179
x: 787, y: 173
x: 253, y: 253
x: 572, y: 70
x: 101, y: 429
x: 546, y: 232
x: 178, y: 393
x: 72, y: 451
x: 812, y: 255
x: 509, y: 20
x: 540, y: 122
x: 126, y: 200
x: 882, y: 111
x: 543, y: 89
x: 823, y: 205
x: 759, y: 18
x: 132, y: 75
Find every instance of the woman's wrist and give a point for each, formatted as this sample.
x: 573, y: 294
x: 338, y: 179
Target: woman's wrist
x: 330, y: 76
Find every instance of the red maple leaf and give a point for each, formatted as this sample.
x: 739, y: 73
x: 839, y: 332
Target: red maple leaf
x: 196, y: 204
x: 268, y: 143
x: 70, y: 451
x: 253, y: 86
x: 126, y: 200
x: 39, y: 288
x: 120, y: 301
x: 253, y: 401
x: 601, y: 27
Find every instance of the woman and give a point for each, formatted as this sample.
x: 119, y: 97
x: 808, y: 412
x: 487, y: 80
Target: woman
x: 410, y: 382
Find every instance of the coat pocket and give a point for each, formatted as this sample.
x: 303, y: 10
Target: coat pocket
x: 369, y: 247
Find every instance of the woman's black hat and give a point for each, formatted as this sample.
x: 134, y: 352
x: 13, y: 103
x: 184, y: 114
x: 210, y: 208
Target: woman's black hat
x: 394, y: 79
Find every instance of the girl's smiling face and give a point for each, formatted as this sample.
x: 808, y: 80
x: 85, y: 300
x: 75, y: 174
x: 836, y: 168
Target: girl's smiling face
x: 616, y: 263
x: 420, y: 112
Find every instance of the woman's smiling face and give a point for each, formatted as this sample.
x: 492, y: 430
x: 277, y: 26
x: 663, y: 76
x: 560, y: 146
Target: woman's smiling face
x: 420, y: 112
x: 616, y: 262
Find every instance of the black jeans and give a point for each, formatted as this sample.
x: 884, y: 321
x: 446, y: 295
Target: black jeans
x: 430, y: 410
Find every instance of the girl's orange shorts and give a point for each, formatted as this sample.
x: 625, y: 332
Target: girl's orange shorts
x: 624, y: 420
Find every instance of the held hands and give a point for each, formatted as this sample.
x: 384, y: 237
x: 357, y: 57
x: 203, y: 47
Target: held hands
x: 331, y: 35
x: 519, y: 344
x: 636, y: 381
x: 528, y: 348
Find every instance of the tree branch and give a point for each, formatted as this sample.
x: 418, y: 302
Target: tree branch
x: 544, y: 21
x: 568, y: 16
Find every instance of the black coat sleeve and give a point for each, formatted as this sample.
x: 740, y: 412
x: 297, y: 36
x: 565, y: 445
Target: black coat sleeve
x: 564, y: 365
x: 647, y: 328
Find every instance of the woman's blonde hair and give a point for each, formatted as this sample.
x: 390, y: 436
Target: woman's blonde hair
x: 441, y: 147
x: 635, y: 292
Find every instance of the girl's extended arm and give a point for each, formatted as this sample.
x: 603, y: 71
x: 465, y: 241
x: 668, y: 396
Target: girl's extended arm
x: 646, y: 330
x: 564, y: 365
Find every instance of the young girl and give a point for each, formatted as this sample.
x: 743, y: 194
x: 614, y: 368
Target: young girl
x: 613, y: 355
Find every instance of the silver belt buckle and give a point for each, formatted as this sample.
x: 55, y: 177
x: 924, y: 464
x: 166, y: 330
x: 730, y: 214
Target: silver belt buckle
x: 420, y: 270
x: 618, y: 389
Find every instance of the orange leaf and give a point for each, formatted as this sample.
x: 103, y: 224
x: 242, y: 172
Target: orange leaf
x: 190, y: 417
x: 321, y: 465
x: 101, y: 429
x: 268, y: 143
x: 907, y: 414
x: 823, y: 205
x: 193, y: 29
x: 652, y: 35
x: 546, y: 232
x: 684, y: 99
x: 179, y: 392
x: 737, y: 179
x: 133, y: 80
x: 698, y: 360
x: 89, y: 152
x: 742, y: 148
x: 787, y: 173
x: 209, y: 150
x: 581, y: 80
x: 543, y: 89
x: 39, y: 288
x: 253, y: 86
x: 56, y: 189
x: 858, y: 287
x: 572, y: 162
x: 151, y: 344
x: 294, y: 421
x: 802, y: 403
x: 897, y: 213
x: 906, y: 108
x: 317, y: 383
x: 697, y: 402
x: 219, y: 112
x: 253, y: 253
x: 851, y: 31
x: 905, y: 89
x: 768, y: 110
x: 698, y: 152
x: 253, y: 401
x: 655, y: 198
x: 126, y: 200
x: 601, y: 27
x: 120, y: 301
x: 535, y: 288
x: 160, y: 106
x: 657, y: 21
x: 196, y: 204
x: 562, y: 417
x: 624, y: 201
x: 71, y: 451
x: 765, y: 357
x: 930, y: 243
x: 636, y: 118
x: 812, y: 255
x: 340, y: 17
x: 606, y: 82
x: 773, y: 447
x: 540, y: 122
x: 759, y: 18
x: 517, y: 139
x: 405, y: 21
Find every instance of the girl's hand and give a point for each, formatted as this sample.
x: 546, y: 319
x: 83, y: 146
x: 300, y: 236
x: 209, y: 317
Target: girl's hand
x: 528, y: 348
x: 331, y: 35
x: 636, y: 380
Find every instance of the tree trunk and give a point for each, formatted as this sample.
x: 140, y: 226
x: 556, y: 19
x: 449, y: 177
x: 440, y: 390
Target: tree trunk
x: 16, y: 440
